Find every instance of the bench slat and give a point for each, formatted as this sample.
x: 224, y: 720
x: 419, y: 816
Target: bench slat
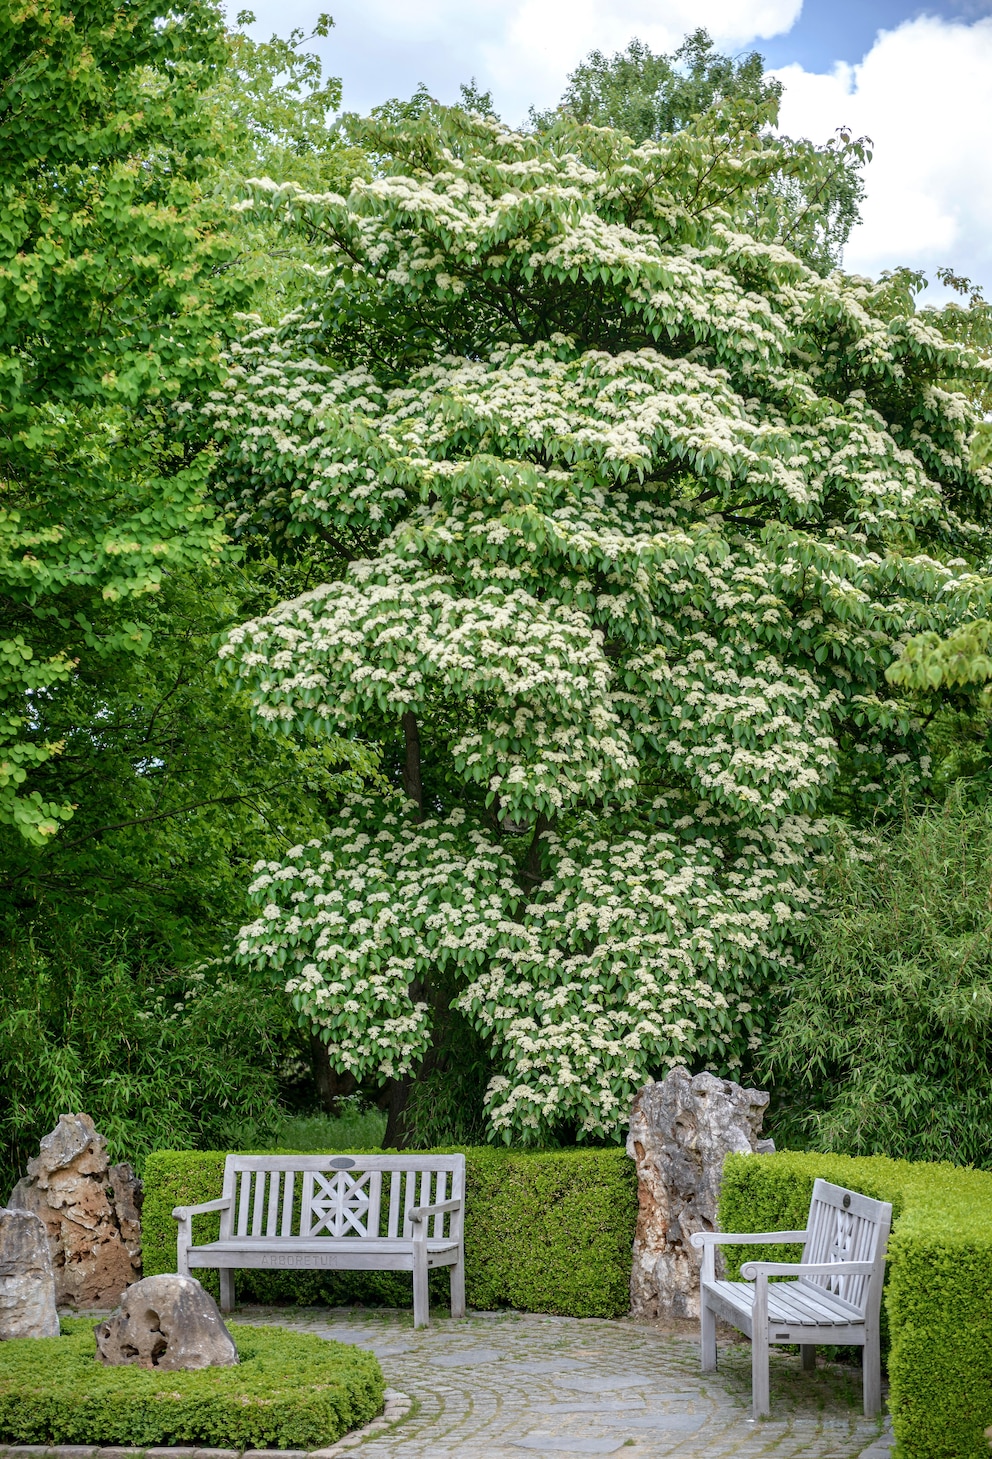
x: 306, y: 1209
x: 375, y: 1202
x: 395, y: 1191
x: 243, y: 1203
x: 440, y: 1194
x: 273, y: 1212
x: 348, y: 1254
x: 409, y: 1201
x: 258, y: 1205
x: 289, y: 1186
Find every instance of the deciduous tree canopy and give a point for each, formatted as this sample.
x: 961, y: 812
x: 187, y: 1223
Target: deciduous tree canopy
x: 633, y: 509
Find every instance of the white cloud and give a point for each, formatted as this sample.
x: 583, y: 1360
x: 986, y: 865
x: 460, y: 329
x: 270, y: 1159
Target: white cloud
x: 524, y: 49
x: 545, y: 39
x: 923, y: 93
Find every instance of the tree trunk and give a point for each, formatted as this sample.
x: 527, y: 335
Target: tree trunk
x: 331, y: 1086
x: 531, y: 870
x: 412, y: 787
x: 395, y: 1099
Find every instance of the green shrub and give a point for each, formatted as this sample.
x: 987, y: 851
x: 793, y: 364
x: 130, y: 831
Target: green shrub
x: 938, y: 1297
x: 884, y: 1042
x: 546, y: 1232
x: 290, y: 1390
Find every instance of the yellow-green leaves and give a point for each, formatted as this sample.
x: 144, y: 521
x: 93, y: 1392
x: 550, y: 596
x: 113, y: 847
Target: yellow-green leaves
x: 931, y: 662
x: 114, y: 280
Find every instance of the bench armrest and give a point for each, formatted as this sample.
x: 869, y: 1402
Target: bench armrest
x: 700, y: 1239
x: 184, y: 1213
x: 423, y: 1213
x: 752, y: 1269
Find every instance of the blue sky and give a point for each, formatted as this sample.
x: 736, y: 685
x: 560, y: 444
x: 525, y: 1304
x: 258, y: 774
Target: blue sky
x: 845, y: 30
x: 915, y: 78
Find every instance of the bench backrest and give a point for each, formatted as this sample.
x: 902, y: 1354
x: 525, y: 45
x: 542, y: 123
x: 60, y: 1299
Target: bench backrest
x: 846, y: 1226
x: 360, y: 1196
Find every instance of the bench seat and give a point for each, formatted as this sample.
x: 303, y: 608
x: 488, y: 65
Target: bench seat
x: 352, y: 1213
x: 789, y: 1305
x: 372, y: 1254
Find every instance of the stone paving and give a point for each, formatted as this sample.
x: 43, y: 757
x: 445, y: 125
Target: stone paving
x: 510, y: 1385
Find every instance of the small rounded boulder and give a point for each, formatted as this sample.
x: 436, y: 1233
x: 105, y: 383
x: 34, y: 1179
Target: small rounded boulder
x: 166, y: 1322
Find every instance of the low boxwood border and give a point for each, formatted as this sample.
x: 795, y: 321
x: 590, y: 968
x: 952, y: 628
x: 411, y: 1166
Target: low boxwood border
x: 549, y: 1231
x: 290, y: 1390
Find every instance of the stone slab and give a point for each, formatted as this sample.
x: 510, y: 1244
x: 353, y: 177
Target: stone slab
x: 605, y: 1383
x: 470, y: 1357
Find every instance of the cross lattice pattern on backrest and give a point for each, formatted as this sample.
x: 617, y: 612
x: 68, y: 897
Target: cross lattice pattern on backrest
x: 843, y: 1226
x: 365, y: 1197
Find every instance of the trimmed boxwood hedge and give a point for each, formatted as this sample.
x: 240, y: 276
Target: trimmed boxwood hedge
x: 290, y: 1390
x: 938, y: 1297
x: 549, y: 1231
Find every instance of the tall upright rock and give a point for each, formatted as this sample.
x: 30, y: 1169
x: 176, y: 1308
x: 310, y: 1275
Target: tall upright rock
x: 681, y: 1131
x: 27, y: 1283
x: 91, y: 1211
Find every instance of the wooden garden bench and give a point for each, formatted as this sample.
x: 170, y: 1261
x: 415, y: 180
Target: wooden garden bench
x: 835, y: 1295
x: 396, y: 1213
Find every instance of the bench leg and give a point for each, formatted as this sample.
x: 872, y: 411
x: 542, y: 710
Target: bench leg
x: 421, y: 1295
x: 871, y: 1364
x: 226, y: 1289
x: 760, y: 1401
x: 458, y: 1289
x: 807, y: 1353
x: 707, y: 1337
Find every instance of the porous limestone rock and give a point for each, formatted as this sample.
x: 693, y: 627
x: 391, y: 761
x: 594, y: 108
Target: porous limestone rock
x: 681, y: 1130
x: 166, y: 1322
x: 27, y: 1283
x: 91, y: 1211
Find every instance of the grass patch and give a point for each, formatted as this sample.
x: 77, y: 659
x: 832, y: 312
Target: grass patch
x: 354, y: 1129
x: 290, y: 1390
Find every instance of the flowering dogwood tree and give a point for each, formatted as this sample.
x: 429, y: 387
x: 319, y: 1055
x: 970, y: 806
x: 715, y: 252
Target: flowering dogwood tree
x: 634, y: 510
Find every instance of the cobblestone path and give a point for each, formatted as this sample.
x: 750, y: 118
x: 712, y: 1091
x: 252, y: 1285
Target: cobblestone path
x: 512, y: 1385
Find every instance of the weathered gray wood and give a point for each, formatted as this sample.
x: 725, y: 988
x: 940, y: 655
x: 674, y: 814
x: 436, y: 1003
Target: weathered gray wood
x: 834, y: 1297
x: 707, y: 1337
x: 760, y: 1397
x: 339, y: 1221
x: 458, y: 1287
x: 421, y: 1294
x: 226, y: 1290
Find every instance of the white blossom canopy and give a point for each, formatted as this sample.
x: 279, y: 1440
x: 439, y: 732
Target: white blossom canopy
x: 634, y: 511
